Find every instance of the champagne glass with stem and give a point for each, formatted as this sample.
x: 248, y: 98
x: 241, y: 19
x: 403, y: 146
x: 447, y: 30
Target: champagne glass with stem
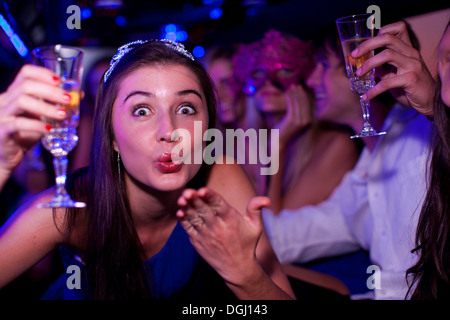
x: 353, y: 30
x: 67, y: 63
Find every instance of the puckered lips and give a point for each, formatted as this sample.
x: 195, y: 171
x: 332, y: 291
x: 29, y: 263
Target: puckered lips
x: 165, y: 164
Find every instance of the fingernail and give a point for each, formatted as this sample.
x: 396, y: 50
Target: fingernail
x: 354, y: 52
x: 364, y: 96
x: 48, y: 127
x: 61, y: 112
x: 358, y: 72
x: 56, y: 78
x: 67, y: 97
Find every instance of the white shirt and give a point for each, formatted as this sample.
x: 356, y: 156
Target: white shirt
x: 375, y: 207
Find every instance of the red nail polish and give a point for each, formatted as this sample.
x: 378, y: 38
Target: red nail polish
x: 61, y: 112
x: 48, y: 127
x: 56, y: 78
x: 67, y: 97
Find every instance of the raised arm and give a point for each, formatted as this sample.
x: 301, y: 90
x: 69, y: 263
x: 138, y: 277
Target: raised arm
x: 21, y: 107
x: 27, y: 237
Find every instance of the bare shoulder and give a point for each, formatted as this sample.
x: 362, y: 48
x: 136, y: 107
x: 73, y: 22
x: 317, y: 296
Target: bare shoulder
x: 227, y: 172
x: 335, y: 153
x: 230, y: 180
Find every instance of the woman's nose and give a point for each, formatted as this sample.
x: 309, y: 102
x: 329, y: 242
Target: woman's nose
x: 314, y: 78
x: 166, y: 128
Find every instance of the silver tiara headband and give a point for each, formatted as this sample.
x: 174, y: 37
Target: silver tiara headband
x: 123, y: 50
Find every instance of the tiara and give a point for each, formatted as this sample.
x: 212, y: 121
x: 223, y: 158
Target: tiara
x: 123, y: 50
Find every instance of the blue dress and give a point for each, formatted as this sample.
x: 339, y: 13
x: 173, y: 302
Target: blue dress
x: 177, y: 272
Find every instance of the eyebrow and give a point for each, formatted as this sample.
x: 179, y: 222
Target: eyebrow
x: 149, y: 94
x: 189, y: 91
x: 143, y: 93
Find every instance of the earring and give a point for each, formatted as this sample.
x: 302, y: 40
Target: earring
x: 118, y: 164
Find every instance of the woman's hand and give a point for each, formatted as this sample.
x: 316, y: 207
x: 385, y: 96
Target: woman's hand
x: 298, y: 114
x: 32, y: 95
x: 225, y: 238
x: 231, y: 183
x: 407, y: 76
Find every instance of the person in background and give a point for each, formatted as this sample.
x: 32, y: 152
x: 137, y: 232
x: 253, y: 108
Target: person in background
x: 428, y: 277
x: 313, y: 155
x: 377, y: 204
x: 231, y: 109
x: 336, y: 102
x: 142, y: 222
x: 431, y: 273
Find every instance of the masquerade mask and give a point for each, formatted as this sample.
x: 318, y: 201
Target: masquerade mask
x: 281, y: 76
x: 281, y: 60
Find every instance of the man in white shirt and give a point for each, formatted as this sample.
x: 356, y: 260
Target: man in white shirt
x: 375, y: 207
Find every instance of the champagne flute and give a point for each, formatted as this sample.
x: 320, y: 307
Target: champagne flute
x: 354, y: 30
x: 67, y: 63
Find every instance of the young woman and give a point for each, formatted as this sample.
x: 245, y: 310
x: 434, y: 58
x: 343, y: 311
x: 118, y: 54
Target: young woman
x: 314, y: 155
x: 153, y: 227
x: 334, y: 100
x: 412, y: 83
x: 431, y: 275
x: 231, y: 109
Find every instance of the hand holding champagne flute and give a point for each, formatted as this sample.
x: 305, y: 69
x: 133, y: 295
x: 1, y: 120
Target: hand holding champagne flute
x: 67, y: 63
x: 353, y: 31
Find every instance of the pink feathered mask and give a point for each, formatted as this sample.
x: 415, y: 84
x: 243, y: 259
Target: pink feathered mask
x: 280, y: 59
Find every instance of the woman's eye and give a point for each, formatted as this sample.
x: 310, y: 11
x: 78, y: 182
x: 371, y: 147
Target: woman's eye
x: 285, y: 72
x: 258, y: 74
x: 325, y: 64
x: 186, y: 109
x: 141, y: 111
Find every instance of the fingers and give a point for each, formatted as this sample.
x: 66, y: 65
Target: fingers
x: 256, y: 204
x: 203, y: 209
x: 398, y: 29
x: 38, y: 73
x: 400, y: 68
x: 294, y: 100
x: 200, y: 209
x: 388, y: 84
x: 34, y: 91
x: 388, y: 56
x: 391, y: 36
x: 45, y: 91
x: 28, y: 129
x: 394, y: 39
x: 298, y: 106
x: 32, y: 95
x: 417, y: 92
x: 29, y: 104
x: 254, y: 209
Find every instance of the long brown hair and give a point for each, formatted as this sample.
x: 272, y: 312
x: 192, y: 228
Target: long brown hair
x: 431, y: 274
x: 114, y: 256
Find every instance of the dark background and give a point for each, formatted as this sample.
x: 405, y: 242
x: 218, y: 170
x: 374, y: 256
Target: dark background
x: 110, y: 23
